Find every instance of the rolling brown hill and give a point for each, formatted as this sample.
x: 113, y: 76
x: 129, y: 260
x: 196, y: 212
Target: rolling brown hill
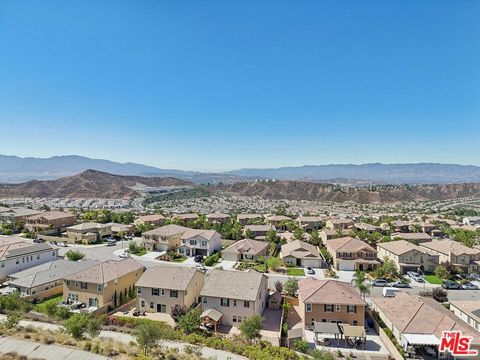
x: 88, y: 184
x: 303, y: 190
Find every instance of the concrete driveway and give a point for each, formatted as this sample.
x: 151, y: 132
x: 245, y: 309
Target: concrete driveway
x: 345, y: 276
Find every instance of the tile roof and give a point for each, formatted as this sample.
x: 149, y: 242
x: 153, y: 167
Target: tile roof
x: 106, y: 271
x: 414, y: 314
x: 87, y: 226
x: 450, y: 246
x: 51, y: 215
x: 48, y: 272
x: 349, y: 244
x: 300, y: 250
x: 206, y: 234
x: 167, y: 230
x: 233, y: 284
x: 16, y: 248
x: 172, y: 278
x: 399, y: 247
x: 247, y: 246
x: 317, y: 291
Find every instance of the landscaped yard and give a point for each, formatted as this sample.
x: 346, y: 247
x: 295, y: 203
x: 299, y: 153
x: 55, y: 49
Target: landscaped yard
x: 433, y: 279
x: 295, y: 272
x: 179, y: 259
x: 42, y: 306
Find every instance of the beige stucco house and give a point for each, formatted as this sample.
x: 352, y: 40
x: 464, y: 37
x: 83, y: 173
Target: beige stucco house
x: 408, y: 256
x: 103, y: 286
x: 300, y: 253
x: 161, y: 288
x: 163, y: 238
x: 352, y: 254
x: 88, y: 232
x: 235, y: 295
x: 245, y: 250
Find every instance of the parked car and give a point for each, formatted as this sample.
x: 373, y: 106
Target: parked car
x: 400, y: 284
x: 38, y: 241
x: 310, y: 271
x: 415, y: 276
x: 125, y: 255
x: 201, y: 267
x: 412, y: 274
x: 62, y: 244
x: 380, y: 282
x: 198, y: 258
x: 111, y: 243
x: 111, y: 239
x: 475, y: 277
x: 451, y: 285
x: 469, y: 286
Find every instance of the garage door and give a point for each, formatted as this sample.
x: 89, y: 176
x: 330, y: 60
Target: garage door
x: 347, y: 265
x: 315, y: 263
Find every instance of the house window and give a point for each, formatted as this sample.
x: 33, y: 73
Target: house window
x: 17, y: 262
x: 308, y: 307
x: 204, y: 243
x: 351, y: 309
x: 173, y: 293
x: 337, y: 308
x: 139, y: 290
x: 3, y: 264
x: 155, y: 292
x: 354, y: 322
x: 225, y: 302
x: 142, y: 303
x: 246, y: 304
x: 83, y: 286
x: 328, y: 308
x: 163, y: 308
x: 99, y: 287
x: 204, y: 299
x: 234, y: 302
x: 193, y: 242
x: 151, y: 305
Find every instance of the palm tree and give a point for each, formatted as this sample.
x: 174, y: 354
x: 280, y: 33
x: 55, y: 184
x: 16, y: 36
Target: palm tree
x: 359, y: 282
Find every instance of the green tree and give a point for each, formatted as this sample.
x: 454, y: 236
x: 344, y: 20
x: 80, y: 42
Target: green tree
x: 74, y: 255
x: 321, y: 355
x: 388, y: 270
x: 271, y: 236
x: 298, y: 233
x: 290, y: 286
x: 442, y: 272
x: 76, y: 325
x: 301, y: 346
x: 315, y: 238
x: 273, y: 263
x: 146, y: 335
x: 251, y: 327
x: 359, y: 282
x: 190, y: 322
x: 248, y: 234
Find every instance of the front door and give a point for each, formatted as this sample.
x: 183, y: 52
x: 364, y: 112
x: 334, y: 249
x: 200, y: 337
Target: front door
x: 162, y: 308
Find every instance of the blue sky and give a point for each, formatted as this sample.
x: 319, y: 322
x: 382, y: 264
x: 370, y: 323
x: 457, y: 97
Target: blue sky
x: 217, y: 85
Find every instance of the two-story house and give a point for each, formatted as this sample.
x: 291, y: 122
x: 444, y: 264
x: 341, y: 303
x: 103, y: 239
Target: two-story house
x: 468, y: 259
x: 408, y: 256
x: 219, y: 218
x: 161, y: 288
x: 200, y: 242
x: 257, y: 231
x: 248, y: 219
x: 230, y: 297
x: 310, y: 222
x: 104, y: 286
x: 150, y: 219
x: 329, y: 301
x: 352, y: 254
x: 339, y: 224
x: 50, y: 222
x: 278, y: 221
x: 88, y: 232
x: 163, y: 238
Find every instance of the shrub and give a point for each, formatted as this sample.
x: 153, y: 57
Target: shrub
x: 74, y: 255
x: 212, y: 259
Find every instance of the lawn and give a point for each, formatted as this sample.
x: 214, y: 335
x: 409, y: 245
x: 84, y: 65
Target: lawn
x: 433, y: 279
x: 179, y: 259
x: 295, y: 272
x: 41, y: 307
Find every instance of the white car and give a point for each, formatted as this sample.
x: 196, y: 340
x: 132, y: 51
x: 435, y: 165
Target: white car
x: 469, y: 286
x: 124, y: 255
x: 310, y: 271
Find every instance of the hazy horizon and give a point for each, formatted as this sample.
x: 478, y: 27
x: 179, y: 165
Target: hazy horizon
x: 215, y: 86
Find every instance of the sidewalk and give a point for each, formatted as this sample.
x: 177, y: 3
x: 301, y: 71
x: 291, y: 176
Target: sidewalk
x: 34, y: 350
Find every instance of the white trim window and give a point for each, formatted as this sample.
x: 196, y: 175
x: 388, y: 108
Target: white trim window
x: 308, y: 307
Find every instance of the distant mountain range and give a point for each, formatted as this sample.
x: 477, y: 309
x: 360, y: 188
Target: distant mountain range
x: 14, y: 169
x: 90, y: 184
x: 96, y: 184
